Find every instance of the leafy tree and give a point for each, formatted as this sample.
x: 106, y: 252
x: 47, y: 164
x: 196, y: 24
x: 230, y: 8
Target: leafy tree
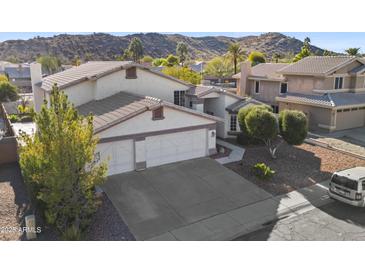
x: 256, y: 57
x: 353, y: 51
x: 135, y: 49
x: 293, y: 126
x: 147, y: 59
x: 172, y: 60
x: 50, y: 64
x: 262, y: 124
x: 3, y: 77
x: 304, y: 51
x: 8, y: 92
x: 88, y: 57
x: 182, y: 52
x: 159, y: 62
x: 76, y: 61
x: 183, y: 73
x: 59, y: 166
x: 236, y: 53
x: 327, y: 53
x: 244, y: 136
x: 219, y: 67
x: 276, y: 57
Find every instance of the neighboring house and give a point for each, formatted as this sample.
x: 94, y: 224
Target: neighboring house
x: 221, y: 103
x: 19, y: 75
x: 198, y: 66
x: 330, y: 90
x: 261, y: 82
x: 223, y: 82
x: 139, y: 115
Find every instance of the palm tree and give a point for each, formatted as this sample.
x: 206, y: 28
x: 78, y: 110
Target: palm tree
x: 353, y: 51
x: 235, y: 52
x: 135, y: 49
x: 182, y: 52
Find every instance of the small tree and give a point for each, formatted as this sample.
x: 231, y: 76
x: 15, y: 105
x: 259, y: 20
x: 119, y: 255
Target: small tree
x: 304, y: 51
x: 8, y: 92
x: 182, y: 52
x: 147, y: 59
x: 276, y: 57
x: 59, y: 167
x: 244, y: 136
x: 353, y: 51
x: 50, y: 64
x: 3, y: 77
x: 159, y: 62
x: 172, y: 60
x: 183, y: 73
x: 135, y: 49
x: 262, y: 124
x: 293, y: 126
x: 256, y: 57
x: 219, y: 67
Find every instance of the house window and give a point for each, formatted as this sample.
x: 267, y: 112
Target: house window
x: 338, y: 82
x: 157, y: 114
x: 283, y: 87
x: 191, y: 104
x: 257, y: 86
x: 233, y: 125
x: 131, y: 73
x: 179, y: 97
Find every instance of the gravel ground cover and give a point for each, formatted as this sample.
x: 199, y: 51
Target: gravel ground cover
x: 296, y: 166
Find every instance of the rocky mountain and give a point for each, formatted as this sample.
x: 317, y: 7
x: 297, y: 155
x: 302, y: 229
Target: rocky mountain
x: 102, y: 46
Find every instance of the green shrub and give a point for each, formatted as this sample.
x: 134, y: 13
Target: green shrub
x: 263, y: 171
x: 293, y: 126
x: 13, y: 118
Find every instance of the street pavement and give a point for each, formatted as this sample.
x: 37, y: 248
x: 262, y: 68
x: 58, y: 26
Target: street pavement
x: 331, y: 222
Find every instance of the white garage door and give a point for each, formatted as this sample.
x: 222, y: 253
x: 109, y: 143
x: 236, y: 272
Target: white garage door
x: 120, y: 155
x: 350, y: 119
x: 168, y: 148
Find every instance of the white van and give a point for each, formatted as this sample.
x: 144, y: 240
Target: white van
x: 348, y: 186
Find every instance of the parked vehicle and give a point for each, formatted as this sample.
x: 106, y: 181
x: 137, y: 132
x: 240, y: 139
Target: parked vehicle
x: 348, y: 186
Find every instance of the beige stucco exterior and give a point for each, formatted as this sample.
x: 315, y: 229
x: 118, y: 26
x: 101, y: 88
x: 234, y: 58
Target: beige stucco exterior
x: 268, y: 91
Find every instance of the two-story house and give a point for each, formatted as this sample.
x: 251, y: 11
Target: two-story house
x: 140, y: 116
x: 330, y: 90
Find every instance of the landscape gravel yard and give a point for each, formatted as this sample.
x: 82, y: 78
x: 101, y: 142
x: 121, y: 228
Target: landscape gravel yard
x: 13, y: 200
x: 296, y: 166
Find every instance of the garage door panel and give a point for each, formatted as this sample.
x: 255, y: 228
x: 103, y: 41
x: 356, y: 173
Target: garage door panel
x: 119, y: 155
x: 350, y: 119
x: 175, y: 147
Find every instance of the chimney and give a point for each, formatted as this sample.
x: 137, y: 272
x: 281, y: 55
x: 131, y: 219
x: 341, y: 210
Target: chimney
x: 36, y: 78
x: 245, y: 72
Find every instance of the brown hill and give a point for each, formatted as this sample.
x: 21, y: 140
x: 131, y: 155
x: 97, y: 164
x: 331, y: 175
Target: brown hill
x: 101, y: 46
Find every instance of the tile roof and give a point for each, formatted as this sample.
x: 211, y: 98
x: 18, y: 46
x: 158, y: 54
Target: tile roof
x: 267, y: 70
x: 201, y: 91
x: 94, y: 69
x: 116, y: 108
x: 338, y: 99
x: 123, y: 105
x: 18, y: 72
x: 83, y: 72
x: 235, y: 107
x: 314, y: 65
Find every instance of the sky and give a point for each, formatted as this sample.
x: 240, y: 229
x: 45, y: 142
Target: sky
x: 335, y: 41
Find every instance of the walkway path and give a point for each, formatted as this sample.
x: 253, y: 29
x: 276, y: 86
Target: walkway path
x: 235, y: 155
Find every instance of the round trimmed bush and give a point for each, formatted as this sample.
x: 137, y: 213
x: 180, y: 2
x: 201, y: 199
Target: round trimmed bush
x: 293, y: 126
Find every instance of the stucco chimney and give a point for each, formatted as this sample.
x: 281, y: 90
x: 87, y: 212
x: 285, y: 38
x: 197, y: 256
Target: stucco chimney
x: 36, y: 79
x: 245, y: 72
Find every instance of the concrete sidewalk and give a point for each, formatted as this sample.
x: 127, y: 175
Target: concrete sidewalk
x: 248, y: 218
x: 235, y: 155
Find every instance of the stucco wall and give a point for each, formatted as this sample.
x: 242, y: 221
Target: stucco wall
x: 144, y: 123
x: 267, y: 93
x: 306, y: 84
x: 81, y: 93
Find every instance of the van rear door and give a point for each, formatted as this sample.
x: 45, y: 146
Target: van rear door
x: 345, y: 187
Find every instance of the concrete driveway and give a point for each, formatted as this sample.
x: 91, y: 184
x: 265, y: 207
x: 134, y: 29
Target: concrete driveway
x: 181, y: 201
